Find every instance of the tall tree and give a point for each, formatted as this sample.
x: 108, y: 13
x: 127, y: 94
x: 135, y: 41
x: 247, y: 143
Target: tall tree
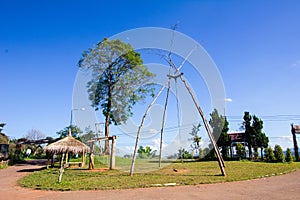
x: 262, y: 142
x: 248, y: 132
x: 196, y: 138
x: 254, y: 135
x: 224, y: 140
x: 257, y: 126
x: 220, y: 128
x: 217, y: 123
x: 118, y: 80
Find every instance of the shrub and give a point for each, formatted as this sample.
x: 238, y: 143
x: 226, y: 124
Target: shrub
x: 279, y: 155
x: 16, y: 153
x: 289, y: 156
x: 269, y: 154
x: 240, y: 151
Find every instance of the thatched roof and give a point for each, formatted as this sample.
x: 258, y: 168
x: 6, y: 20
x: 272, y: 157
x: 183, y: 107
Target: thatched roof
x: 67, y: 144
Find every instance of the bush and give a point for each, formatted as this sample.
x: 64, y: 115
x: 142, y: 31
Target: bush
x: 16, y: 153
x: 270, y: 157
x: 184, y: 154
x: 279, y: 155
x: 289, y: 156
x: 240, y: 151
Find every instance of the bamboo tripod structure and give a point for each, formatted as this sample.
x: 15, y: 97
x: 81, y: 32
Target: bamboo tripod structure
x: 176, y: 75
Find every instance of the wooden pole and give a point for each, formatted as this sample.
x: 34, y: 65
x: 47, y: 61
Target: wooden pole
x: 140, y: 127
x: 295, y: 143
x: 83, y: 158
x: 163, y: 124
x: 113, y: 153
x: 61, y: 168
x: 220, y: 159
x: 92, y: 162
x: 67, y: 157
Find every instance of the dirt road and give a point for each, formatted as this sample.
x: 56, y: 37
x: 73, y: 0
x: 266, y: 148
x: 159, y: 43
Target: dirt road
x: 277, y: 187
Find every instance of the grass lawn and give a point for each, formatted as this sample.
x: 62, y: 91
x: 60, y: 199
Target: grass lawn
x: 188, y: 173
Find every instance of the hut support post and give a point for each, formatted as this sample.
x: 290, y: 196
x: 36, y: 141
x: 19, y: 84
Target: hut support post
x: 92, y: 162
x: 83, y: 158
x: 113, y: 153
x: 61, y: 167
x: 67, y: 157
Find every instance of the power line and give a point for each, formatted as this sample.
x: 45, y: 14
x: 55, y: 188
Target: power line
x: 275, y: 118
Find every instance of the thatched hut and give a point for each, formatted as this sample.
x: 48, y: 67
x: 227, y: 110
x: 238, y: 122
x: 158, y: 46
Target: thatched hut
x: 65, y: 146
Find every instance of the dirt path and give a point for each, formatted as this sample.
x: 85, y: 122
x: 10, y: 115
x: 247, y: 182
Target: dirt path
x: 278, y: 187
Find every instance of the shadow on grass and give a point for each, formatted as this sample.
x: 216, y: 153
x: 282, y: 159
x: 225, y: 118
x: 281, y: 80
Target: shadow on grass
x: 32, y: 170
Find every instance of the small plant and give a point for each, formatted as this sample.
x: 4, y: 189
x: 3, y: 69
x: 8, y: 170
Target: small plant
x: 279, y: 155
x: 289, y: 156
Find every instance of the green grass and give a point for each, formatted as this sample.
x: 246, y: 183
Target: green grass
x: 189, y: 173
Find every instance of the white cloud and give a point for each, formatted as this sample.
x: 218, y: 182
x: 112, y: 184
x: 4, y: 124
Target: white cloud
x: 153, y: 131
x: 295, y: 64
x: 283, y: 141
x: 228, y: 100
x: 129, y: 148
x: 156, y: 144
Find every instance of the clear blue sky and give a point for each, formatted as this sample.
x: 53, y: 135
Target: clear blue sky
x: 255, y: 44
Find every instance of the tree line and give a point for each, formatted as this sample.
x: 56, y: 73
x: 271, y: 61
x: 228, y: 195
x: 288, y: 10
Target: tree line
x: 254, y: 139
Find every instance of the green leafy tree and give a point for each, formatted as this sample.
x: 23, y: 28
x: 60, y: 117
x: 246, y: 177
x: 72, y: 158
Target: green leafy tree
x: 220, y: 128
x: 16, y: 151
x: 278, y: 153
x: 289, y: 155
x: 145, y: 152
x: 248, y: 132
x: 262, y: 143
x: 196, y: 138
x: 88, y: 135
x: 254, y: 136
x: 184, y: 154
x: 65, y: 132
x: 118, y: 80
x: 259, y: 139
x: 224, y: 140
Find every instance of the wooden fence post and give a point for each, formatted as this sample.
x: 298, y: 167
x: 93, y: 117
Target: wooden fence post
x: 113, y: 153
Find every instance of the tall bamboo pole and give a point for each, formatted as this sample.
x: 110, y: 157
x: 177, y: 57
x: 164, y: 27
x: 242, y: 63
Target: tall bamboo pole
x: 140, y: 127
x: 163, y: 124
x: 220, y: 159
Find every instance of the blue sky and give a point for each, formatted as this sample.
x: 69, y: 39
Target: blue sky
x: 255, y: 44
